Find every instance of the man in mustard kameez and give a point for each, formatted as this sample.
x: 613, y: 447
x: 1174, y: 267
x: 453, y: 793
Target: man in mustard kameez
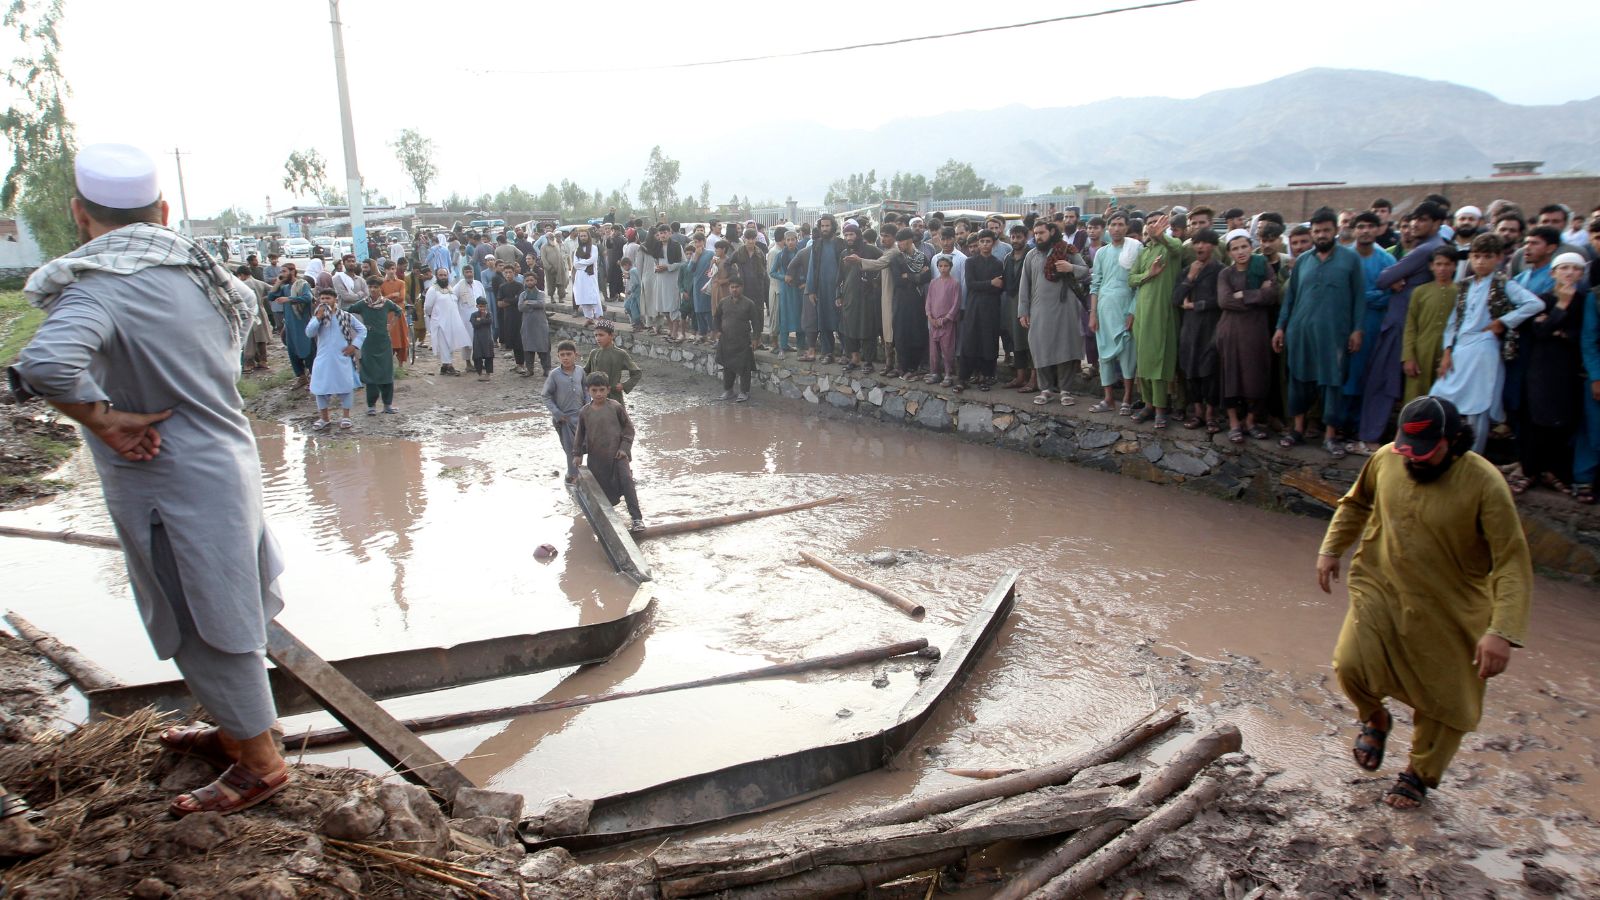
x: 1439, y: 590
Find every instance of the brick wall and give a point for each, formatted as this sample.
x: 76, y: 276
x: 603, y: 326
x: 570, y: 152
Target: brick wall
x: 1581, y: 192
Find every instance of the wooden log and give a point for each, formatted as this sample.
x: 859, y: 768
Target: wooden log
x: 83, y: 672
x: 1105, y: 862
x: 62, y: 537
x: 1306, y: 482
x: 717, y: 866
x: 906, y: 606
x: 1132, y: 737
x: 688, y: 525
x: 329, y: 736
x: 1153, y: 790
x: 832, y: 881
x: 982, y: 774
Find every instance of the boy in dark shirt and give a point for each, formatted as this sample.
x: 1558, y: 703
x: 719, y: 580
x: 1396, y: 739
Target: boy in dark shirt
x: 605, y: 433
x: 483, y: 340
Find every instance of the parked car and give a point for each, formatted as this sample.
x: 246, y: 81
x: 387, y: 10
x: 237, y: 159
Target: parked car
x: 297, y: 248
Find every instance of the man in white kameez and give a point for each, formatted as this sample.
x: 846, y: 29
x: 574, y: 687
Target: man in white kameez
x: 1472, y: 374
x: 140, y: 346
x: 447, y: 334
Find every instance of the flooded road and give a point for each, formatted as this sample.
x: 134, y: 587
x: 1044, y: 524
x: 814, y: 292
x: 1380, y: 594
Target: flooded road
x: 1132, y: 596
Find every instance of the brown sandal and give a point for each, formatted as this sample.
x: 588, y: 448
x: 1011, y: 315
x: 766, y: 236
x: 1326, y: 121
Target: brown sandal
x: 200, y: 741
x: 236, y: 790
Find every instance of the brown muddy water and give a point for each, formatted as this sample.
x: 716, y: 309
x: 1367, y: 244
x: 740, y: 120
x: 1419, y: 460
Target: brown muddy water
x: 1132, y: 596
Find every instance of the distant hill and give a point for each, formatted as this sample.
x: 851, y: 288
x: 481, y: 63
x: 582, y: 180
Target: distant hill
x: 1316, y: 125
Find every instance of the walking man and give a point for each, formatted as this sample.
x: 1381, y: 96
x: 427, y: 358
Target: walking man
x: 141, y: 347
x: 1439, y: 590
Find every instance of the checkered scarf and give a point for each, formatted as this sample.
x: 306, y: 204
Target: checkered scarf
x: 134, y: 248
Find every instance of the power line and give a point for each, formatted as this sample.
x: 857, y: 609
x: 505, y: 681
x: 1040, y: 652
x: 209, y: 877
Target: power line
x: 848, y: 47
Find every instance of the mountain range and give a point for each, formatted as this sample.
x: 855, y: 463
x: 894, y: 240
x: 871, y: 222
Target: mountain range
x: 1316, y: 125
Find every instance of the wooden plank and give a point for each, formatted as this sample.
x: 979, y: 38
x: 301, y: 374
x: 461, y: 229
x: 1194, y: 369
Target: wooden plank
x: 609, y: 527
x: 411, y: 758
x: 688, y: 525
x: 1306, y: 482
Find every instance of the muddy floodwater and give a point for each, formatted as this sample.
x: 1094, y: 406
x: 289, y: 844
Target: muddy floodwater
x: 1132, y: 596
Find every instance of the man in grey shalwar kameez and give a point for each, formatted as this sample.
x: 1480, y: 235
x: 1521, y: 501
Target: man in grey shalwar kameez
x: 141, y: 347
x: 1049, y: 309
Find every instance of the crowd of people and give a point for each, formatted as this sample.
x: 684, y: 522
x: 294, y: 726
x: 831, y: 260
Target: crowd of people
x: 1268, y: 329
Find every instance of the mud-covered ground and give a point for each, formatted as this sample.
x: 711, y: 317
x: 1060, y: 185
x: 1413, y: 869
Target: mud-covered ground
x: 1503, y: 826
x: 1297, y: 819
x: 33, y: 442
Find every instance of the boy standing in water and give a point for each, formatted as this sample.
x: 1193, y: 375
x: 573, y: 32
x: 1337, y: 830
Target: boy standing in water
x: 605, y: 434
x: 610, y: 360
x: 564, y: 397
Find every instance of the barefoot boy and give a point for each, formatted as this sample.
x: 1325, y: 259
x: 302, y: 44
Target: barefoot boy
x: 605, y: 433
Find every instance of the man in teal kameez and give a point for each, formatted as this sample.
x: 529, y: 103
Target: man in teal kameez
x: 1318, y: 327
x: 1155, y: 319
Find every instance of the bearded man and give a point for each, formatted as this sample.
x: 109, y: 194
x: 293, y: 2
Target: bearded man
x: 1439, y: 590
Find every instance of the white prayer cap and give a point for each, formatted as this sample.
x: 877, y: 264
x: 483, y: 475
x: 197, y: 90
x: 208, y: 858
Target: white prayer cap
x: 1567, y: 259
x: 1236, y: 233
x: 117, y: 176
x: 1472, y: 211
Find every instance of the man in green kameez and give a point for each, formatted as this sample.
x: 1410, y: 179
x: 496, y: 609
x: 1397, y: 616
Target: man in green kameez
x: 1439, y: 590
x: 1155, y: 319
x: 612, y: 361
x: 377, y: 351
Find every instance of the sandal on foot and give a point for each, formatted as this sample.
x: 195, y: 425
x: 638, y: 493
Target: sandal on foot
x: 1372, y: 749
x: 1236, y: 436
x: 1027, y: 389
x: 1102, y: 406
x: 200, y: 741
x: 1125, y: 409
x: 1334, y: 448
x: 1409, y: 787
x: 1583, y: 493
x: 237, y: 789
x: 1291, y: 439
x: 1191, y: 423
x: 1260, y: 433
x: 1161, y: 421
x: 1213, y: 426
x: 1141, y: 416
x: 1550, y: 481
x: 1519, y: 484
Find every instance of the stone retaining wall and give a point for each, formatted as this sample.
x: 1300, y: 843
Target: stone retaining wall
x: 1564, y: 537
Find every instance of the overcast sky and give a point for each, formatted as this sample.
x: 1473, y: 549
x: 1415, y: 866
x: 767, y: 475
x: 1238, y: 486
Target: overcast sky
x: 239, y: 85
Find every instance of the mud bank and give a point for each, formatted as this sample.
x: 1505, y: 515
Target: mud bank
x: 1564, y: 536
x: 34, y: 441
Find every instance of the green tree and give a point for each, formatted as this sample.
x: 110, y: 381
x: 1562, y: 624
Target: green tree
x: 234, y: 216
x: 906, y: 186
x: 40, y: 183
x: 855, y: 189
x: 958, y: 180
x: 549, y: 200
x: 1191, y: 186
x: 1013, y: 190
x: 305, y: 174
x: 705, y: 195
x: 573, y: 197
x: 415, y: 154
x: 659, y: 190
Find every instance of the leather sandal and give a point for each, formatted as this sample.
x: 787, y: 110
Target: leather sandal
x: 200, y: 741
x: 236, y: 790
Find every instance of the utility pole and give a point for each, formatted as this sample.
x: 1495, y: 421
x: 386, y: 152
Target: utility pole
x: 352, y: 172
x: 183, y: 196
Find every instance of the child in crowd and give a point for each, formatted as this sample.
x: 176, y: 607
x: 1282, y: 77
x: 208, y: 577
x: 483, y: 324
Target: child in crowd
x: 941, y: 305
x: 611, y: 361
x: 1430, y: 308
x: 605, y: 435
x: 734, y: 324
x: 564, y: 396
x: 630, y: 287
x: 482, y: 323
